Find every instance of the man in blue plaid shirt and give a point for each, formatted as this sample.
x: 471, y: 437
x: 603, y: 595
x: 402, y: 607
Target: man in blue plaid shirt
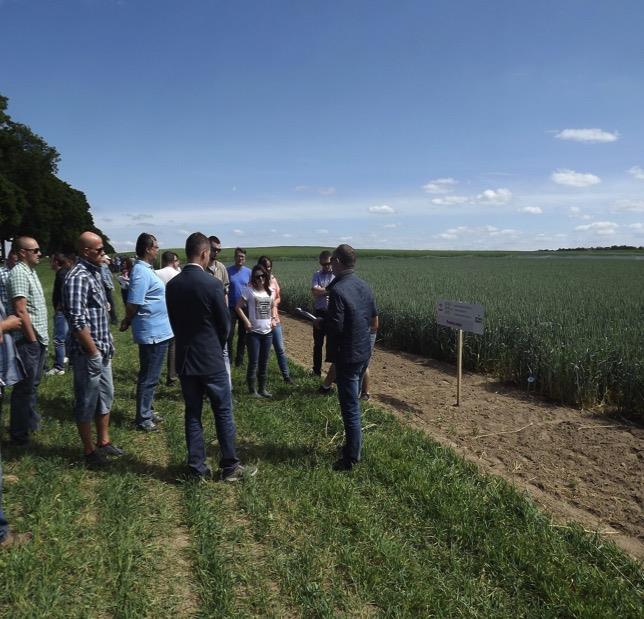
x: 91, y: 348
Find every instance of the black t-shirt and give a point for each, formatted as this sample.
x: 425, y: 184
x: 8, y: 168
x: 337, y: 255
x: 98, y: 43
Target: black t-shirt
x: 57, y: 296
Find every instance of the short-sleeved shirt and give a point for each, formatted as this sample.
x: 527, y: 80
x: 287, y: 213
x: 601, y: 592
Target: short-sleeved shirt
x: 321, y: 279
x: 167, y: 273
x: 260, y: 305
x: 239, y: 279
x: 4, y: 280
x: 150, y: 324
x: 24, y: 282
x: 218, y: 269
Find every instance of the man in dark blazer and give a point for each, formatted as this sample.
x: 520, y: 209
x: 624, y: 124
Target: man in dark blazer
x: 200, y: 322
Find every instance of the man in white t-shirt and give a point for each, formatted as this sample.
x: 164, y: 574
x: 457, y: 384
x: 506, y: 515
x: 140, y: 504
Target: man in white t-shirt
x: 170, y: 268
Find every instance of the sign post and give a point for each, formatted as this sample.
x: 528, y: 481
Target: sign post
x: 462, y: 317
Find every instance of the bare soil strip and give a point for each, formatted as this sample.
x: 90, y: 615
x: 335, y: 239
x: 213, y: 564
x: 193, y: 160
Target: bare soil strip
x: 575, y: 464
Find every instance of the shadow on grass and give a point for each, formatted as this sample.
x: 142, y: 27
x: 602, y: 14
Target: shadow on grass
x: 273, y: 453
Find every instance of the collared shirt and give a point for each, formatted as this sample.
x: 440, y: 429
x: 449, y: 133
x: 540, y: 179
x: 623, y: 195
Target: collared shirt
x: 106, y: 274
x: 24, y: 282
x: 239, y: 279
x: 4, y: 279
x: 85, y: 305
x: 321, y: 279
x: 218, y: 270
x: 167, y: 273
x: 150, y: 324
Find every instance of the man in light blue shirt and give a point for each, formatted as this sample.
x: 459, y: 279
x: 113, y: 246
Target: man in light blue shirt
x: 239, y: 276
x: 147, y: 313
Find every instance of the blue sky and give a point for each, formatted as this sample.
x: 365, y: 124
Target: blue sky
x: 433, y: 124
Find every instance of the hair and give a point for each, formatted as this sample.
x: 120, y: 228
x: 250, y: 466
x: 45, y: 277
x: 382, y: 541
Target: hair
x: 126, y: 264
x: 214, y: 239
x: 345, y: 255
x: 324, y: 255
x: 258, y: 268
x: 265, y: 261
x: 63, y: 258
x: 143, y: 243
x: 168, y: 257
x: 240, y: 250
x: 195, y: 244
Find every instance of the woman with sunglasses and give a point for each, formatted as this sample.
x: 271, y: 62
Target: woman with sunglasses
x: 257, y: 299
x: 278, y: 338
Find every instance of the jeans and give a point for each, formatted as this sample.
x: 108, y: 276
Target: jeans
x: 348, y: 380
x: 217, y: 388
x: 24, y: 418
x: 259, y: 349
x: 318, y: 343
x: 60, y: 335
x: 241, y: 337
x: 4, y: 525
x: 171, y: 373
x: 278, y: 345
x: 151, y: 358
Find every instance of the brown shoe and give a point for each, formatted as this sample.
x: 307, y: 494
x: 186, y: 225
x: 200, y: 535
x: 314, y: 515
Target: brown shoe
x: 13, y: 540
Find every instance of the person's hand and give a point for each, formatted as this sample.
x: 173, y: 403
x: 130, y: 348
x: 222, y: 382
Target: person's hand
x: 248, y: 327
x: 125, y: 324
x: 11, y: 323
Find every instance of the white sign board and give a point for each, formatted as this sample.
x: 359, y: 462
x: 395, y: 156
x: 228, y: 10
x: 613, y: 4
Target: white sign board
x: 465, y: 316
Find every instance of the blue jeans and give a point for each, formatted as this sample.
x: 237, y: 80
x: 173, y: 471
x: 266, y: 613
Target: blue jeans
x: 24, y: 418
x: 259, y: 349
x: 347, y: 376
x: 4, y: 525
x: 217, y: 388
x: 60, y: 335
x: 278, y: 345
x: 151, y: 358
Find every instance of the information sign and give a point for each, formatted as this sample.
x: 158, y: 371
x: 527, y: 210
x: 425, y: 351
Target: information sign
x: 464, y: 316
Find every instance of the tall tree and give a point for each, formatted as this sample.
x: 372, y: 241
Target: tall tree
x: 33, y: 200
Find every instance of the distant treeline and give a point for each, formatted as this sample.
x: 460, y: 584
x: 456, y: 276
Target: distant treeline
x: 33, y: 200
x: 611, y: 248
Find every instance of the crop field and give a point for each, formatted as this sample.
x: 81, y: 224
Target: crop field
x: 414, y: 531
x: 569, y: 328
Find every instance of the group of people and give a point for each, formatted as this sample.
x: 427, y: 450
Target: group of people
x: 185, y: 315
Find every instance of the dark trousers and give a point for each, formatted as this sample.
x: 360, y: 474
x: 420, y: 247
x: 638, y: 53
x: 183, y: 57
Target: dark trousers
x: 151, y: 358
x: 110, y: 300
x: 24, y: 418
x: 217, y: 388
x: 318, y: 343
x: 259, y: 349
x: 241, y: 338
x: 172, y: 369
x: 347, y: 376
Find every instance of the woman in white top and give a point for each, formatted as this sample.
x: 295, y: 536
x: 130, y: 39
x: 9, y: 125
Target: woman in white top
x: 258, y: 300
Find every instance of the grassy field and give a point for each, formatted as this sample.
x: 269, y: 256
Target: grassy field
x: 414, y: 531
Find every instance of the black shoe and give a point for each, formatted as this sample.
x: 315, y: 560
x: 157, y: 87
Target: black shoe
x: 19, y: 441
x: 342, y: 465
x: 325, y: 390
x: 315, y: 372
x: 264, y: 394
x: 96, y: 460
x: 196, y: 476
x: 365, y: 397
x: 110, y: 450
x: 288, y: 380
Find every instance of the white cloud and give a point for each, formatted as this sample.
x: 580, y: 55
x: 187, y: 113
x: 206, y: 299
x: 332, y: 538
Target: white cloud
x: 390, y: 225
x: 186, y: 232
x: 628, y: 206
x: 477, y: 233
x: 574, y: 179
x: 322, y: 231
x: 326, y: 191
x: 286, y: 235
x: 602, y: 228
x: 575, y: 212
x: 381, y: 210
x: 323, y: 191
x: 238, y: 232
x: 450, y: 200
x: 440, y: 185
x: 495, y: 196
x: 532, y: 210
x: 637, y: 172
x: 588, y: 135
x: 637, y: 227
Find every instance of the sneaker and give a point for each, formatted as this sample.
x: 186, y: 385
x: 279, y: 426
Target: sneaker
x: 315, y: 372
x: 156, y: 418
x: 288, y: 380
x: 13, y: 540
x: 325, y: 390
x: 342, y: 465
x: 54, y: 372
x: 365, y: 396
x: 109, y: 449
x: 240, y: 472
x: 95, y: 460
x: 147, y: 426
x: 194, y: 475
x: 66, y: 361
x: 265, y: 394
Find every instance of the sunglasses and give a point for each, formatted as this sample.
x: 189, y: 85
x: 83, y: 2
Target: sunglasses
x: 215, y: 251
x: 325, y: 264
x: 99, y: 250
x: 34, y: 250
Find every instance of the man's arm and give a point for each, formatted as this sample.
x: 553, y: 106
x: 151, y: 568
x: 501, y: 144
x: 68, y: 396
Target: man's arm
x: 221, y: 314
x: 334, y: 320
x: 20, y: 309
x: 135, y: 297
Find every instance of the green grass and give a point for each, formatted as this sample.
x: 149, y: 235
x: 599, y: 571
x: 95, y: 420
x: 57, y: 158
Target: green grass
x: 414, y: 531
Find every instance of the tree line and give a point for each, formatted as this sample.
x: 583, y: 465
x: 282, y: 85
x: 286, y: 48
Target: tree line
x: 33, y: 200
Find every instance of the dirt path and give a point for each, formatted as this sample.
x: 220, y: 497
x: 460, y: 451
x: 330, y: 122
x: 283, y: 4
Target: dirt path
x: 576, y: 465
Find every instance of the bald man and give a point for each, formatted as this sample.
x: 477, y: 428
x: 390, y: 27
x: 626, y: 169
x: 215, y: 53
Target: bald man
x: 27, y: 300
x: 91, y: 349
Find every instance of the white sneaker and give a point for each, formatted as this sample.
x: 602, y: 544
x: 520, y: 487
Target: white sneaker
x: 65, y: 360
x: 54, y: 372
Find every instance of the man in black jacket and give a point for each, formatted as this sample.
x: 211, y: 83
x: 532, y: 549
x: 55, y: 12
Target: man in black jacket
x: 200, y: 322
x: 350, y: 315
